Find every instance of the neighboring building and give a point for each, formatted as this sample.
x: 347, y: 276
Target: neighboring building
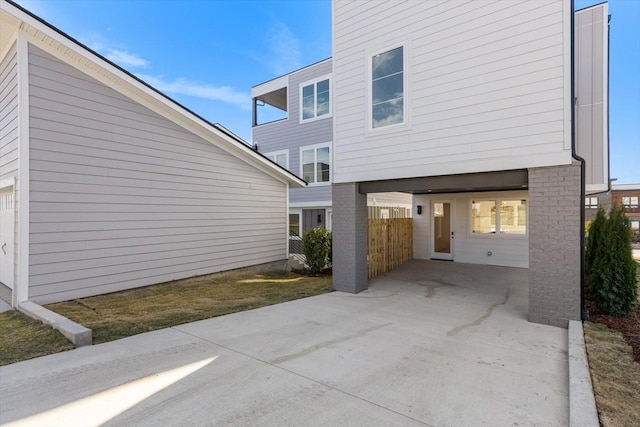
x: 470, y: 108
x: 293, y: 126
x: 106, y: 184
x: 628, y: 195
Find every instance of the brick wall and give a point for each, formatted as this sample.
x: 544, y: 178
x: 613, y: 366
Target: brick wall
x: 554, y: 244
x: 349, y: 228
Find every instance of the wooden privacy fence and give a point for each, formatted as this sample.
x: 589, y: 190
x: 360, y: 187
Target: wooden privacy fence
x: 390, y: 244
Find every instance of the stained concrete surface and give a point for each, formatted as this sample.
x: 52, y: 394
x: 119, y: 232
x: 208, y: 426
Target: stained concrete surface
x: 430, y: 343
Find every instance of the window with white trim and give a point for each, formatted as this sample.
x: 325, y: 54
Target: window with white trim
x: 591, y: 202
x: 6, y: 202
x: 295, y: 225
x: 499, y: 216
x: 630, y: 202
x: 279, y: 157
x: 388, y: 88
x: 315, y: 164
x: 315, y: 99
x: 635, y: 225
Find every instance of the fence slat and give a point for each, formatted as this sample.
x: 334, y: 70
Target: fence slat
x: 390, y: 244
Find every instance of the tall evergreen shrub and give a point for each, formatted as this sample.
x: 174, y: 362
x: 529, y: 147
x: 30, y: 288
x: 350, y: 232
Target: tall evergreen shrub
x: 594, y: 240
x: 316, y: 245
x: 612, y: 280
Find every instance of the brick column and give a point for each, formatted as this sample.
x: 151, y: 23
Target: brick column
x: 554, y: 244
x: 350, y: 242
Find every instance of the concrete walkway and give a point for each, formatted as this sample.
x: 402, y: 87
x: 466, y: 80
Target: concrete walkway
x: 431, y: 343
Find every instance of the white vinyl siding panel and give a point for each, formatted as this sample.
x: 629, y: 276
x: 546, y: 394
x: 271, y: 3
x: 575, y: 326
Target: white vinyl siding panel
x: 292, y: 134
x: 485, y: 87
x: 9, y: 115
x: 121, y: 197
x: 591, y: 62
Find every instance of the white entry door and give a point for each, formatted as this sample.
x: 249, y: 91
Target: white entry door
x: 7, y: 223
x: 442, y: 230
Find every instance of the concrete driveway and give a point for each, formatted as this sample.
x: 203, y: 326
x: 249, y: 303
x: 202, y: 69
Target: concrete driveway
x: 431, y: 343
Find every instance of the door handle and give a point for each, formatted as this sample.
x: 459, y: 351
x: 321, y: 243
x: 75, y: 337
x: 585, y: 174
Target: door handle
x: 4, y: 245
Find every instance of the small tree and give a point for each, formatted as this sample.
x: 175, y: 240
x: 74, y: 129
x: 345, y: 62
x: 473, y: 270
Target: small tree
x: 613, y: 273
x: 316, y: 245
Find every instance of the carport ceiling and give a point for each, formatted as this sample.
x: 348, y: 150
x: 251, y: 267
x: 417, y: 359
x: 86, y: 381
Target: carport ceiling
x: 463, y: 183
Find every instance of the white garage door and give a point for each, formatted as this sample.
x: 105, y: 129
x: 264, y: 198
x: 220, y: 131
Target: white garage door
x: 7, y: 224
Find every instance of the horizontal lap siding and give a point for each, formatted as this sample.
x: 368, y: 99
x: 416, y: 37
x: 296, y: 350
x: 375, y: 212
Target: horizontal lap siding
x: 291, y: 134
x: 485, y: 87
x: 121, y: 197
x: 9, y: 115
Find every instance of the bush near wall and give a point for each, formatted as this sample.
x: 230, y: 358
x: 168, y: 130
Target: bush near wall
x: 610, y: 268
x: 316, y: 246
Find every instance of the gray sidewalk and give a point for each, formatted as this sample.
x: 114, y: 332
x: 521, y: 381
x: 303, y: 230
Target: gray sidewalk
x: 422, y: 346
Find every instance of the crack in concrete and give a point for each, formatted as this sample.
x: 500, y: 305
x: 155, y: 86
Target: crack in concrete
x: 482, y: 318
x: 313, y: 348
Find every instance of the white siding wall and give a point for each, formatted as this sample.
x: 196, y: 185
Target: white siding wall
x: 121, y: 197
x: 9, y: 115
x: 488, y: 87
x: 509, y: 251
x: 9, y: 137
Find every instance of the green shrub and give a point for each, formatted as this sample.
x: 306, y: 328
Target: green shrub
x: 594, y: 240
x: 316, y: 245
x: 612, y: 278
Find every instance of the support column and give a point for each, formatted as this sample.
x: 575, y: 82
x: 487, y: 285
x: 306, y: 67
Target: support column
x: 350, y: 238
x: 554, y: 244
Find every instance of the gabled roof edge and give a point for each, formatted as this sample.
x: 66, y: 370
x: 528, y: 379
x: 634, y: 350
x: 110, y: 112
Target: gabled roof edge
x: 225, y: 134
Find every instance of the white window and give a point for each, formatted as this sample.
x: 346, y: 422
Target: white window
x: 295, y: 225
x: 635, y: 225
x: 279, y: 157
x: 315, y: 164
x: 630, y: 202
x: 388, y: 88
x: 591, y: 202
x: 6, y: 202
x: 315, y: 99
x: 499, y: 216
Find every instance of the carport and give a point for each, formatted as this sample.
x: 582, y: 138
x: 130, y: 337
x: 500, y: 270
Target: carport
x: 500, y: 218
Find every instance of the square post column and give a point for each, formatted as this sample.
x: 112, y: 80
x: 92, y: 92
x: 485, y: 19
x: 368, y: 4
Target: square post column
x: 350, y: 238
x: 554, y: 244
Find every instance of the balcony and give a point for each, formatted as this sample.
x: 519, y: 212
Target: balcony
x: 270, y: 101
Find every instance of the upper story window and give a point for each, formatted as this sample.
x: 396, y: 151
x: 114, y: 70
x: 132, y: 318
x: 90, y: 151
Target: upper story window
x: 315, y: 99
x: 630, y: 202
x: 279, y: 157
x: 316, y: 164
x: 499, y: 216
x: 387, y: 88
x: 591, y: 202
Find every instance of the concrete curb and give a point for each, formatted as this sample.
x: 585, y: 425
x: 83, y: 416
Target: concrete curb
x: 74, y: 332
x: 582, y: 403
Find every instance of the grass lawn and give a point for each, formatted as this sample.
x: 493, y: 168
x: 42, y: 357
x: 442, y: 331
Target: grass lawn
x: 615, y: 376
x: 22, y: 338
x: 126, y: 313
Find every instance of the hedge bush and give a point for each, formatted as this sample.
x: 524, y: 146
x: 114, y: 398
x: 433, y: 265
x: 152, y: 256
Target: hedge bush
x: 612, y: 273
x: 316, y: 246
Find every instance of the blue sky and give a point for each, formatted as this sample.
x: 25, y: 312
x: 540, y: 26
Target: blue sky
x: 206, y: 54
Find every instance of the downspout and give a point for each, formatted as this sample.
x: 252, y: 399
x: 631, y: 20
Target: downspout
x: 584, y: 314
